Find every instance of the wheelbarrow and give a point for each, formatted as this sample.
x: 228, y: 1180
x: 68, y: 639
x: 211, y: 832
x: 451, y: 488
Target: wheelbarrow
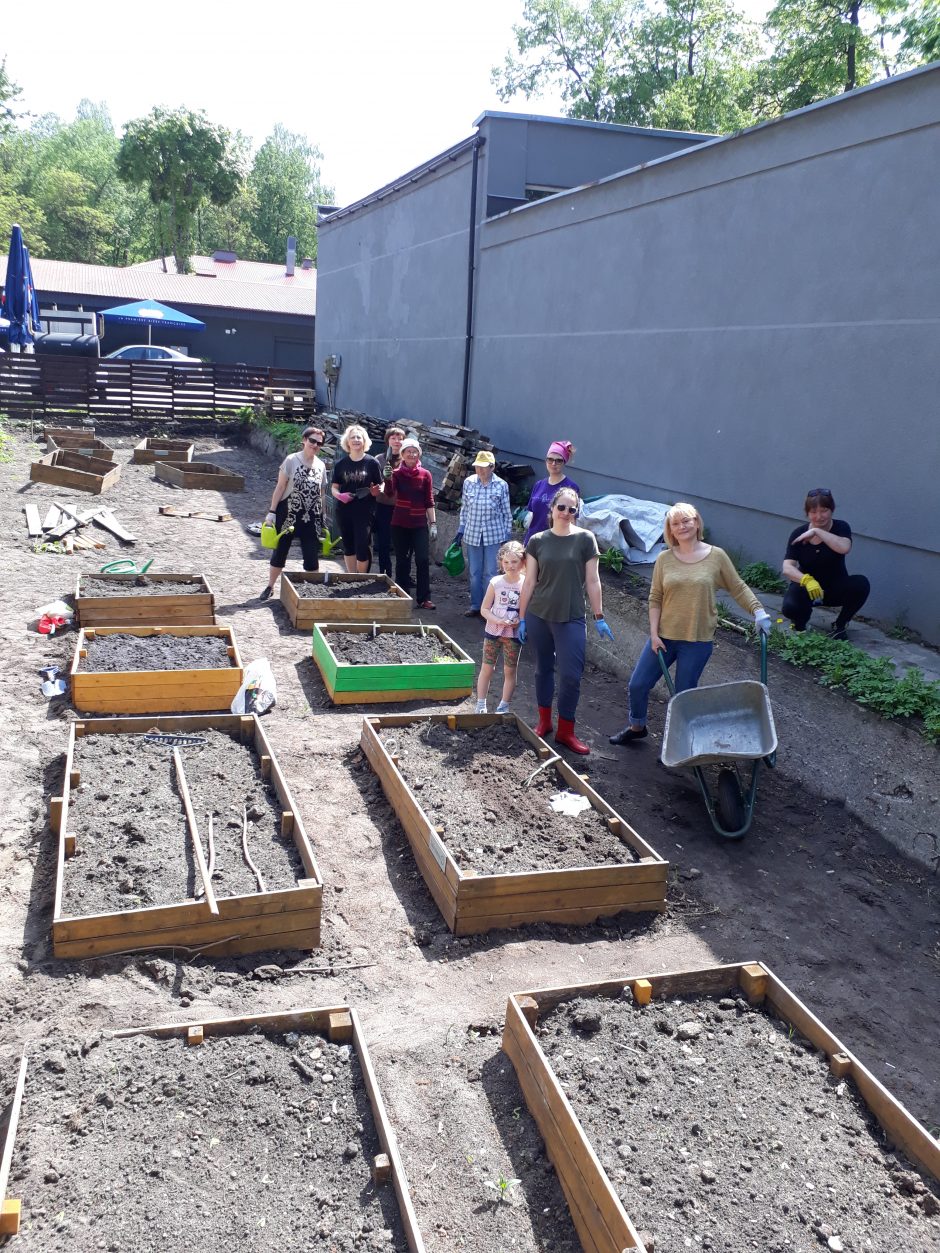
x: 725, y: 725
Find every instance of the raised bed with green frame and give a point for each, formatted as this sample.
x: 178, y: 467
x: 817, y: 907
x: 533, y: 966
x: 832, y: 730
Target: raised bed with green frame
x: 350, y: 684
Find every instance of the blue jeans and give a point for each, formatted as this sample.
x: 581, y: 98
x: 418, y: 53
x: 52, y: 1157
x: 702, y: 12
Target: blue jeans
x: 481, y: 563
x: 691, y: 658
x: 564, y: 643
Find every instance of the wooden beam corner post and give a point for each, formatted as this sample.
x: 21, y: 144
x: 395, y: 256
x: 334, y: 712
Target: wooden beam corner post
x: 381, y: 1169
x: 528, y: 1008
x: 340, y: 1026
x: 753, y: 981
x: 194, y: 1036
x: 642, y: 991
x: 9, y: 1217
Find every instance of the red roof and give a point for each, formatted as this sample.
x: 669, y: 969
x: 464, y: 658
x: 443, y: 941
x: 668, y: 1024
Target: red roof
x: 254, y: 286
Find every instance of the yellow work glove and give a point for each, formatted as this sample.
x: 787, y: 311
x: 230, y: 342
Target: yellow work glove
x: 813, y: 589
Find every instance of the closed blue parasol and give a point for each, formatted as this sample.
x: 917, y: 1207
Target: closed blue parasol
x: 21, y: 307
x: 151, y: 313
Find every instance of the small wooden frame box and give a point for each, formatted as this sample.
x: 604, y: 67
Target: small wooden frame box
x: 304, y: 611
x: 150, y: 450
x: 89, y: 447
x: 67, y: 436
x: 473, y: 903
x: 602, y: 1223
x: 339, y: 1024
x: 199, y: 475
x: 172, y: 609
x: 154, y: 691
x: 350, y: 684
x: 64, y: 468
x: 251, y: 923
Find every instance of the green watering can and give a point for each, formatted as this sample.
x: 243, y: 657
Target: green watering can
x: 270, y: 535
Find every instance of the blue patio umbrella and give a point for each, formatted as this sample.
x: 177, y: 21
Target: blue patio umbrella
x: 151, y: 313
x: 21, y: 308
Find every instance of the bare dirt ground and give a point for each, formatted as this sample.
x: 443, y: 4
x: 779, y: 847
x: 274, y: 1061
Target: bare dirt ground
x: 813, y: 891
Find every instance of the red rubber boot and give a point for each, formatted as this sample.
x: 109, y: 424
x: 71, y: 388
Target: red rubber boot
x: 565, y: 735
x: 544, y: 725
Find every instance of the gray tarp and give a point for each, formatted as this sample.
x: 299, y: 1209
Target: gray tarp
x: 634, y: 526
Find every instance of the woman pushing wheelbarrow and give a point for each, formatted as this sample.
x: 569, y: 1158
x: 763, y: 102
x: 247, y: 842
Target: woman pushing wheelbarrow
x: 683, y: 618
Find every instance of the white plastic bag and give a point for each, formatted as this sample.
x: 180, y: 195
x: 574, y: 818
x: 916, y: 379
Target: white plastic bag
x: 258, y: 691
x: 570, y: 803
x: 55, y: 609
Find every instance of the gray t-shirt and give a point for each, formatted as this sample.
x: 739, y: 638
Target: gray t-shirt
x: 559, y: 587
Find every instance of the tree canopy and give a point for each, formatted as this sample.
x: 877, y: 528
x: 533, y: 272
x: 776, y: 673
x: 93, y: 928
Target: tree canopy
x: 701, y: 65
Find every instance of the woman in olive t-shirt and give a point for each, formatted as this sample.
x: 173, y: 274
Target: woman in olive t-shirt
x: 560, y: 565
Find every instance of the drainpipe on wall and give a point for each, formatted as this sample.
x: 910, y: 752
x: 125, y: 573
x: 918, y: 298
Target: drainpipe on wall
x: 468, y: 340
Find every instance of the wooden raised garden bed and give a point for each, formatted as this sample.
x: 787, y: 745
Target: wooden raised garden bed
x: 155, y: 691
x: 147, y: 831
x: 68, y: 436
x: 63, y: 468
x: 199, y: 475
x: 701, y: 1144
x: 89, y: 447
x: 450, y: 678
x: 9, y: 1119
x: 624, y: 873
x: 260, y: 1132
x: 150, y: 450
x: 387, y: 603
x: 124, y: 602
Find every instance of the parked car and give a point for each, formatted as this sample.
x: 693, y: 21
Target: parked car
x: 151, y: 352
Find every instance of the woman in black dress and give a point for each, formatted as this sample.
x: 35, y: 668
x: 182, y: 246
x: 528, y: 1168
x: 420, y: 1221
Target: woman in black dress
x: 357, y: 480
x: 815, y: 567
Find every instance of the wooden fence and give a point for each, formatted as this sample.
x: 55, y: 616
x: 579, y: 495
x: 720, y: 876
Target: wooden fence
x: 34, y: 386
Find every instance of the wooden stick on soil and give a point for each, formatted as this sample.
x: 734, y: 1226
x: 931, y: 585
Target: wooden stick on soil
x: 194, y: 833
x: 251, y: 865
x: 211, y: 839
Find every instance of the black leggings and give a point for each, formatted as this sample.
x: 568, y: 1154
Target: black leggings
x: 408, y: 540
x: 307, y: 532
x: 850, y: 593
x: 355, y: 526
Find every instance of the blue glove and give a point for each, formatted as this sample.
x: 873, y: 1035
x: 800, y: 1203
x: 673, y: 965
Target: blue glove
x: 520, y: 634
x: 459, y: 536
x: 603, y: 630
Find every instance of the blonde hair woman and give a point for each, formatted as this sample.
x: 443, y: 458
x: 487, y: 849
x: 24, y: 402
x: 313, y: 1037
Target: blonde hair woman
x: 682, y: 612
x: 357, y: 480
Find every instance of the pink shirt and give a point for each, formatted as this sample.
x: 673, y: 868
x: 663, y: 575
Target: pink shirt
x: 505, y: 606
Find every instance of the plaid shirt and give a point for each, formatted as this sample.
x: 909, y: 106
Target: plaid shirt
x: 485, y: 516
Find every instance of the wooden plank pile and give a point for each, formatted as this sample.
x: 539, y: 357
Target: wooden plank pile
x: 62, y: 524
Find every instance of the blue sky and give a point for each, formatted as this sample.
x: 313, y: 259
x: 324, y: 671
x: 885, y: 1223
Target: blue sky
x: 378, y: 86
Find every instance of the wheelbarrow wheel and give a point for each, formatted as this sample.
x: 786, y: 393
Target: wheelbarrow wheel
x: 731, y: 809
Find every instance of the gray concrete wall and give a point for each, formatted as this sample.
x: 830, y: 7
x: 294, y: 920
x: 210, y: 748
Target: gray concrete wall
x: 392, y: 285
x: 734, y: 325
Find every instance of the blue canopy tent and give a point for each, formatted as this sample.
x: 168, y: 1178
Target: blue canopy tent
x: 151, y: 313
x: 20, y: 306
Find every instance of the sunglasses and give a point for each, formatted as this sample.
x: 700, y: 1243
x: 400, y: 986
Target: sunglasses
x: 317, y: 443
x: 567, y: 508
x: 819, y: 491
x: 555, y: 461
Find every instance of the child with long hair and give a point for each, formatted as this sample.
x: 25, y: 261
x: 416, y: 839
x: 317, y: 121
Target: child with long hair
x: 500, y: 610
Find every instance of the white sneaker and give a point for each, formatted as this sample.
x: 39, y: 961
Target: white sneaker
x: 481, y: 707
x: 503, y: 707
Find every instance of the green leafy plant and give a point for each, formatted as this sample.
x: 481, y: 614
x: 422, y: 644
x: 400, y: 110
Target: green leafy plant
x: 503, y: 1188
x: 6, y: 441
x: 870, y: 681
x: 329, y: 545
x: 612, y: 559
x: 762, y: 577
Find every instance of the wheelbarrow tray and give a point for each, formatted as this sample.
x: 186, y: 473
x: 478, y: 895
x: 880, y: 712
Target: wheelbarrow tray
x: 724, y: 722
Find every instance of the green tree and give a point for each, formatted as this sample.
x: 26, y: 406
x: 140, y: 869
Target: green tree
x: 686, y: 64
x: 286, y: 185
x: 824, y: 47
x: 184, y: 161
x: 10, y: 92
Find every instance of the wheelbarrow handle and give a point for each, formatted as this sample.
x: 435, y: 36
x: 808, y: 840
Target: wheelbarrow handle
x: 665, y: 669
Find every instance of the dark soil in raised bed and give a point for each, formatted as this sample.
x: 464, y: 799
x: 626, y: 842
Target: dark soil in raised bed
x: 343, y: 590
x: 248, y: 1142
x: 118, y: 653
x: 391, y: 648
x: 141, y: 586
x: 133, y: 848
x: 723, y: 1129
x: 470, y: 783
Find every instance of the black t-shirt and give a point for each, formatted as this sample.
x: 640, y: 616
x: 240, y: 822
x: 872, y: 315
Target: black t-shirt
x: 819, y: 560
x: 356, y: 476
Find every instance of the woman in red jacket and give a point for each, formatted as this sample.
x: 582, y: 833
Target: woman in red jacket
x: 414, y: 522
